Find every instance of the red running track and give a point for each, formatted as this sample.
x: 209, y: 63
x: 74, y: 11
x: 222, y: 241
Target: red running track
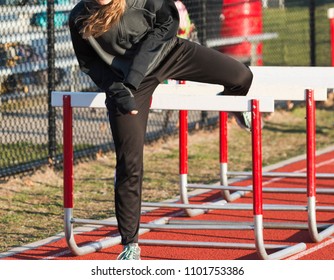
x: 56, y: 248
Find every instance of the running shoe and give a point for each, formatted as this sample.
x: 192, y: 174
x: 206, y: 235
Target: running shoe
x: 244, y: 120
x: 130, y: 252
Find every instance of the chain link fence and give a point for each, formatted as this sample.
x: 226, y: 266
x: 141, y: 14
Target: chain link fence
x: 36, y: 57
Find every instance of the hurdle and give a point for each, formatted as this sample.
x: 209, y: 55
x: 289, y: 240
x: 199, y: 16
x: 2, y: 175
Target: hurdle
x: 297, y: 79
x: 318, y: 78
x: 173, y: 97
x: 307, y: 84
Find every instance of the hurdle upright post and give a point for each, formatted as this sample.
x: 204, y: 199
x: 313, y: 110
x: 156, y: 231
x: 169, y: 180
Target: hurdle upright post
x: 68, y: 152
x: 68, y: 188
x: 183, y: 159
x: 257, y: 192
x: 68, y: 170
x: 223, y: 160
x: 223, y: 153
x: 257, y: 158
x: 183, y: 152
x: 183, y: 141
x: 311, y: 171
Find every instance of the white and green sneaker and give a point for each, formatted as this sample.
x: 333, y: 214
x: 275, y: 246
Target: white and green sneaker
x: 244, y: 120
x: 130, y: 252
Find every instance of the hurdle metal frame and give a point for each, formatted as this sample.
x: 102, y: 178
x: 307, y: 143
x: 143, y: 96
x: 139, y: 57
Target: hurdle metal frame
x: 311, y: 207
x: 285, y: 250
x: 310, y: 173
x: 323, y: 74
x: 318, y: 79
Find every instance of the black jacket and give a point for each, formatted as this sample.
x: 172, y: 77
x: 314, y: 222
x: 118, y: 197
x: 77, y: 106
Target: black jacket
x: 143, y: 37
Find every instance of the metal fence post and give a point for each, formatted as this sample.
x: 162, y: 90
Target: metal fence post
x: 51, y: 82
x: 313, y: 59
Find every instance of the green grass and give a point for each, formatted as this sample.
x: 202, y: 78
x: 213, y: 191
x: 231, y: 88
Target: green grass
x: 24, y: 152
x: 292, y: 47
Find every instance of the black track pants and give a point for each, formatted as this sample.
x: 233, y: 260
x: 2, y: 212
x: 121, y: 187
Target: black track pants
x: 187, y: 61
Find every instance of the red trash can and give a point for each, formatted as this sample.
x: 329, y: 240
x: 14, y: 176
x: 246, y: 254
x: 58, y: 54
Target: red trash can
x: 241, y: 18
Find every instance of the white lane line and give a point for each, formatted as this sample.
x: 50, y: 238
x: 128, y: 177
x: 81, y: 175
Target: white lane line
x: 312, y: 250
x: 57, y: 255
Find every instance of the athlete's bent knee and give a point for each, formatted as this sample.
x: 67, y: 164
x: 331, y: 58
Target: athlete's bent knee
x: 242, y: 83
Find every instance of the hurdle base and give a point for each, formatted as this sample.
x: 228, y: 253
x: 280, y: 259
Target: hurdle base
x: 246, y: 189
x: 226, y: 245
x: 280, y: 174
x: 316, y: 236
x: 261, y: 248
x: 95, y: 246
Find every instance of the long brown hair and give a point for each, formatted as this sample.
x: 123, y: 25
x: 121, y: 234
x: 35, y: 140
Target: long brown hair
x: 101, y: 18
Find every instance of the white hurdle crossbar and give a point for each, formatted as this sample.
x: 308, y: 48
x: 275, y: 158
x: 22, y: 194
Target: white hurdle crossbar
x: 173, y: 97
x: 289, y: 84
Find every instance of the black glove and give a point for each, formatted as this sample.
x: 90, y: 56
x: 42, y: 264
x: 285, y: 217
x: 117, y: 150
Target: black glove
x: 122, y: 97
